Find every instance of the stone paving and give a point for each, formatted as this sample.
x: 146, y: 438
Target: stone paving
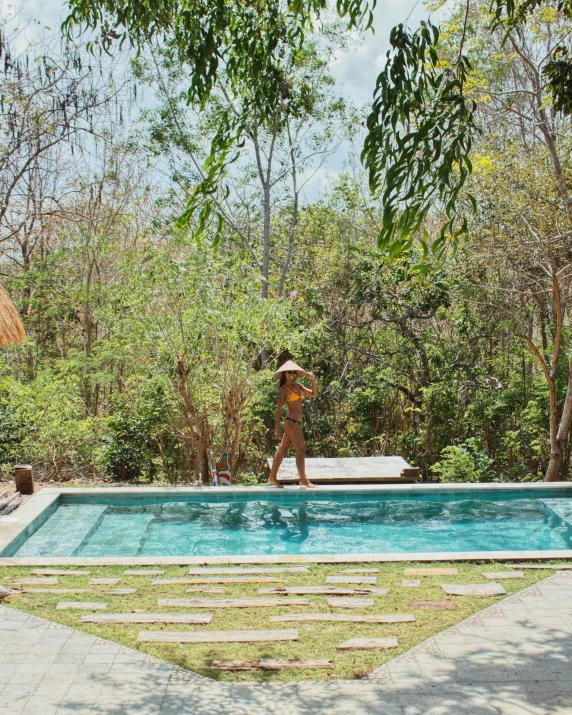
x: 513, y: 658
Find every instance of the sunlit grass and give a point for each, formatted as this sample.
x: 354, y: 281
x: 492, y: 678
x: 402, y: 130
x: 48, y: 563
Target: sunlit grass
x: 317, y: 639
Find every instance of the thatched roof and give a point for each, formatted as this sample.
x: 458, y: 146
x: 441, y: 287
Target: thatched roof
x: 11, y: 328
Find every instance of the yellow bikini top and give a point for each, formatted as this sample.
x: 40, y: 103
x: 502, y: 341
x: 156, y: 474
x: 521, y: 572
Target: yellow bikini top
x: 295, y: 395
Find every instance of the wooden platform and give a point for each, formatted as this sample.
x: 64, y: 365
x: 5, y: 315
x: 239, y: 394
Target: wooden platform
x: 350, y: 470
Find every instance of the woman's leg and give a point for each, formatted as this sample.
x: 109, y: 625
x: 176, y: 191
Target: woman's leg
x: 278, y: 457
x: 294, y: 431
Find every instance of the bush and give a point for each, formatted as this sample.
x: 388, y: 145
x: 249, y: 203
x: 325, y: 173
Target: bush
x: 44, y: 422
x: 462, y: 464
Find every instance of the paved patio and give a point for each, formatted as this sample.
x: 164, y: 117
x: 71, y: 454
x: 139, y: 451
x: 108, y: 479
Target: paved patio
x: 513, y: 658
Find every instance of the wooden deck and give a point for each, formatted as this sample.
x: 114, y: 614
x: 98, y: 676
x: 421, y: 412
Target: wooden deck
x: 350, y: 470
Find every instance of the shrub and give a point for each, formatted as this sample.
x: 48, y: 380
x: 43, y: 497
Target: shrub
x: 462, y: 464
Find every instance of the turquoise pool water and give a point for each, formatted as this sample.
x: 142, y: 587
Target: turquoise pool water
x: 300, y: 523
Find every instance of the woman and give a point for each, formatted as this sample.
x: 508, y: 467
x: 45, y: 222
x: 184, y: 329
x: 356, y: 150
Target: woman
x: 292, y: 394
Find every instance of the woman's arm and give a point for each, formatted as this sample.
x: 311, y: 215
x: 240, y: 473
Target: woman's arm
x: 279, y: 406
x: 306, y: 390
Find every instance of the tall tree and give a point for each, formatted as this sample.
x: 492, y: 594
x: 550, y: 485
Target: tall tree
x: 260, y: 197
x: 54, y: 97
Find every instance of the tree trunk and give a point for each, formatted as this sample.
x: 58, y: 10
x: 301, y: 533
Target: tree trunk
x: 559, y: 439
x: 266, y: 242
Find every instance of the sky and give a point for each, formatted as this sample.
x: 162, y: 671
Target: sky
x: 355, y: 70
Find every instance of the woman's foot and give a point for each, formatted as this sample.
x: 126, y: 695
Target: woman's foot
x: 307, y: 483
x: 276, y: 483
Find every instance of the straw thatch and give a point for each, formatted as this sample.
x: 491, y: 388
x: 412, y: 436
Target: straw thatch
x: 11, y: 328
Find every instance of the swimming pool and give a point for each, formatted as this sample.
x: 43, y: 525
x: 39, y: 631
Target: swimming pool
x: 265, y: 522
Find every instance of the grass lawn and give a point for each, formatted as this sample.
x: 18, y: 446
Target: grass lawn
x: 317, y: 639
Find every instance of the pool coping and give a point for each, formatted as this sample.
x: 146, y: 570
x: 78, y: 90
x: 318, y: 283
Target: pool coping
x: 36, y: 511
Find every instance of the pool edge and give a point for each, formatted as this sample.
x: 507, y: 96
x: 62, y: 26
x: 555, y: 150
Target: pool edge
x: 27, y: 519
x: 286, y: 559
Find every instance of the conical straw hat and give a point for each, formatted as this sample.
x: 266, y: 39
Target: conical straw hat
x: 11, y: 328
x: 288, y: 365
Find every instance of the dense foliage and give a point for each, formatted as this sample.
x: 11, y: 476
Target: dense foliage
x: 150, y: 341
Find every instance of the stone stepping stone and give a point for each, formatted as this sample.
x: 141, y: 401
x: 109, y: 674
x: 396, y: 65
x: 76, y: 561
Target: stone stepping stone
x: 103, y: 581
x: 149, y: 572
x: 365, y: 571
x: 352, y: 579
x: 59, y: 572
x: 217, y: 636
x: 220, y: 579
x: 36, y: 581
x: 57, y: 590
x: 206, y: 589
x: 559, y: 567
x: 433, y: 605
x: 431, y: 572
x: 411, y: 584
x: 119, y: 591
x: 344, y: 617
x: 248, y: 571
x: 341, y: 602
x: 269, y: 664
x: 231, y: 602
x: 368, y: 643
x: 4, y: 592
x: 81, y: 605
x: 494, y: 575
x: 325, y: 591
x: 473, y: 589
x: 202, y: 618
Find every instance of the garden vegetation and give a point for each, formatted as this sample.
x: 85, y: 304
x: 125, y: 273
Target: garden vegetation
x: 164, y: 255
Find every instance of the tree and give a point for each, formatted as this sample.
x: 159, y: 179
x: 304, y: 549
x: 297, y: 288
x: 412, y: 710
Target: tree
x: 422, y: 125
x: 523, y: 178
x: 54, y: 98
x: 259, y: 199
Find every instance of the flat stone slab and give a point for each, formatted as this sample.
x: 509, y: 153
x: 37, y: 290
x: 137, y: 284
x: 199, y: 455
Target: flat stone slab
x: 473, y: 589
x: 433, y: 605
x: 103, y: 581
x: 495, y: 575
x: 325, y: 591
x: 60, y: 572
x: 206, y: 589
x: 368, y: 643
x: 231, y: 602
x: 36, y: 581
x: 352, y: 579
x: 215, y: 571
x: 341, y: 602
x: 269, y: 664
x: 558, y: 567
x: 413, y: 583
x: 143, y: 572
x: 431, y: 572
x: 81, y: 605
x: 347, y: 470
x: 119, y: 591
x: 358, y: 571
x: 220, y: 579
x: 344, y: 617
x: 57, y: 590
x: 286, y: 634
x: 202, y: 618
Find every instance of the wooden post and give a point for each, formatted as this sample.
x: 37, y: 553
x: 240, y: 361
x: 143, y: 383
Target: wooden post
x: 24, y: 478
